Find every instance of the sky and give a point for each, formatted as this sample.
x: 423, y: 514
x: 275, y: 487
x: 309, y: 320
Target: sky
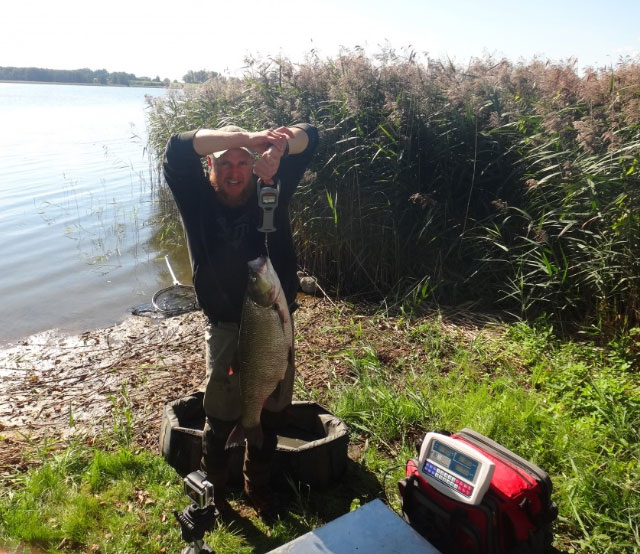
x: 167, y: 39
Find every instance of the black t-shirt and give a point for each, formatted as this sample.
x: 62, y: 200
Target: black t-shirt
x: 221, y: 239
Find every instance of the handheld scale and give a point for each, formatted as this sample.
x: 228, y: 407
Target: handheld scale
x: 454, y: 468
x: 268, y: 202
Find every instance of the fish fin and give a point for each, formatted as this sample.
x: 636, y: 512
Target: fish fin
x: 240, y: 433
x: 237, y: 437
x: 282, y: 312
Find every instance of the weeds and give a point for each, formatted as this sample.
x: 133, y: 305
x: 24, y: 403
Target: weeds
x: 499, y: 183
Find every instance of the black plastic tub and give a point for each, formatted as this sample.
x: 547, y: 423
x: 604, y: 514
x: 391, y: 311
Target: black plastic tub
x: 312, y: 448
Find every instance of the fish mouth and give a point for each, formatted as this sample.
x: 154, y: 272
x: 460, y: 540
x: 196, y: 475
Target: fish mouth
x: 258, y: 265
x: 261, y: 288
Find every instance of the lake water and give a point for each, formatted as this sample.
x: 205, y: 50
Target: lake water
x: 76, y: 201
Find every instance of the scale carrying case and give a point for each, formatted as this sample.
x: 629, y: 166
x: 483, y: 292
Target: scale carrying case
x: 515, y: 515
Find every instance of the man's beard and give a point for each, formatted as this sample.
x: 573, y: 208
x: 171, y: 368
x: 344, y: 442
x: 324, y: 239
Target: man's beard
x: 232, y: 201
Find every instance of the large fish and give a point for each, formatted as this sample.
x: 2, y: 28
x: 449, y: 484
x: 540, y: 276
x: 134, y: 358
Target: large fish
x: 264, y: 350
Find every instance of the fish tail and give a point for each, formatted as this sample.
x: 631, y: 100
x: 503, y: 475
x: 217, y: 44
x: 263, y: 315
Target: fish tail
x: 240, y: 433
x: 237, y: 437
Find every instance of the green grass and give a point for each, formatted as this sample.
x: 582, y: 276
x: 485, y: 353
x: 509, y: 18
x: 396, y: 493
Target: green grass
x: 572, y: 408
x: 87, y: 499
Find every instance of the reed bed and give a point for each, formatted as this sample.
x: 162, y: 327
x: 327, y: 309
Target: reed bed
x: 509, y: 185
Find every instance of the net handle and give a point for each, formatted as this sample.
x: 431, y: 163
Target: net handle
x: 173, y: 275
x: 175, y: 299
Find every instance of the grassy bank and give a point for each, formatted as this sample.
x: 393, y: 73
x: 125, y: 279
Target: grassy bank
x: 572, y: 408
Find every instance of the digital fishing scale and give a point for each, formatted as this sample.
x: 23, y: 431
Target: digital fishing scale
x: 267, y: 202
x: 455, y: 468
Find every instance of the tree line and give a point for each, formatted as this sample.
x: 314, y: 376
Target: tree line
x: 197, y: 77
x: 82, y: 76
x: 96, y: 77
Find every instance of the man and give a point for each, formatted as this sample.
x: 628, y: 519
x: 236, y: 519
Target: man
x: 221, y: 216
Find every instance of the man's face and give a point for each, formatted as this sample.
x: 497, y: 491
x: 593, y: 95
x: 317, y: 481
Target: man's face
x: 233, y: 177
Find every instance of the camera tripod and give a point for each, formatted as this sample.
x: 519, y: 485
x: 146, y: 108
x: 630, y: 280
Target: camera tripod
x: 194, y: 523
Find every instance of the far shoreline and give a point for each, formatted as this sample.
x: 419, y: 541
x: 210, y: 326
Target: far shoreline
x: 85, y: 84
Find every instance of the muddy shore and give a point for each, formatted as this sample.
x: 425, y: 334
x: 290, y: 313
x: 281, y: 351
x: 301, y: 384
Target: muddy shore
x: 54, y: 387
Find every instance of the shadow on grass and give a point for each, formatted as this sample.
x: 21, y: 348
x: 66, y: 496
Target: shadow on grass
x: 358, y: 484
x: 305, y: 508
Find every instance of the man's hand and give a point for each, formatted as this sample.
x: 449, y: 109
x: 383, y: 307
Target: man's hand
x: 272, y: 145
x: 261, y: 141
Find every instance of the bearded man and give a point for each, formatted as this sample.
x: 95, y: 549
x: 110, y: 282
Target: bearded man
x: 220, y: 214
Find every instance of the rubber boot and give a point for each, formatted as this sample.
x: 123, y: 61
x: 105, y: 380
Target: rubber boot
x: 257, y: 470
x: 215, y: 462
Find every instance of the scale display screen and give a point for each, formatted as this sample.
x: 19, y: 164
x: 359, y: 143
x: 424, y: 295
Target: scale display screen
x: 455, y: 468
x: 455, y: 461
x: 269, y: 198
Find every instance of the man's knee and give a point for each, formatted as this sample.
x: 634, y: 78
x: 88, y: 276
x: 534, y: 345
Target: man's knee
x: 215, y: 434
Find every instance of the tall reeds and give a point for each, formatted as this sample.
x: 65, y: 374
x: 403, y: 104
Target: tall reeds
x: 510, y: 185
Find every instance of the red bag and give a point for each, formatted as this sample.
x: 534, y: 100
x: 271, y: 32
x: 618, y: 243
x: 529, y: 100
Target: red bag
x: 514, y: 517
